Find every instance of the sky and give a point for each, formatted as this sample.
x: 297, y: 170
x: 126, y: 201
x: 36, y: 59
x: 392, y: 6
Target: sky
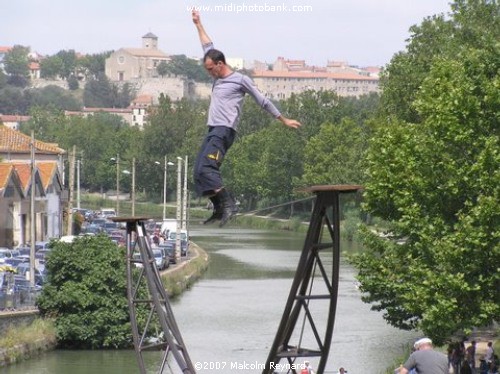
x: 361, y: 32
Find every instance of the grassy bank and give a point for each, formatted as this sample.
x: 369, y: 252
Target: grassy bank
x: 21, y: 343
x: 179, y: 279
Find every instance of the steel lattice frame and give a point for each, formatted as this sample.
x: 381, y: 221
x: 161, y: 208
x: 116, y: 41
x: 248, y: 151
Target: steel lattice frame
x: 156, y: 303
x: 288, y: 344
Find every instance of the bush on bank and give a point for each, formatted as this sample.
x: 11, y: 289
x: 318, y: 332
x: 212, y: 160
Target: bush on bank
x: 86, y: 294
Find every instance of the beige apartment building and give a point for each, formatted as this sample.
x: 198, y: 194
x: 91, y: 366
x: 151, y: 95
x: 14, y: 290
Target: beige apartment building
x: 281, y: 85
x: 294, y: 76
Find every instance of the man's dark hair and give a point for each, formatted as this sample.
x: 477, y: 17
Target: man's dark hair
x: 215, y: 55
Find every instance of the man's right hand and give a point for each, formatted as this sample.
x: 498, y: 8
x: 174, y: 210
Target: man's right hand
x: 196, y: 17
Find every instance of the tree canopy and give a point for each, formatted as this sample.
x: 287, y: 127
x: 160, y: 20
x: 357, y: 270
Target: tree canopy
x: 181, y: 65
x: 16, y: 66
x: 433, y: 175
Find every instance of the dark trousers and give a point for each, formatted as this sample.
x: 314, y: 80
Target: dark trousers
x: 206, y: 174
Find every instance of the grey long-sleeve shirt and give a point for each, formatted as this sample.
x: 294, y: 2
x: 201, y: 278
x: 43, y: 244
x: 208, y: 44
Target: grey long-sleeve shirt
x: 227, y: 98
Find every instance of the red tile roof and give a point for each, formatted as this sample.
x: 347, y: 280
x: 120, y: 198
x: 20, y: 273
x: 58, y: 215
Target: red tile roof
x: 23, y: 170
x: 47, y: 171
x: 13, y: 118
x: 16, y: 142
x: 5, y: 174
x: 106, y: 110
x: 143, y: 99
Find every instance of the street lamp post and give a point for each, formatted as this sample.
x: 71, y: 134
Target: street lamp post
x: 165, y: 166
x: 78, y: 183
x: 179, y: 208
x: 117, y: 162
x: 185, y: 199
x: 132, y: 194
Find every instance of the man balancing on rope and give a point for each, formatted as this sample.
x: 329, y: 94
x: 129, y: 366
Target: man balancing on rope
x: 228, y: 90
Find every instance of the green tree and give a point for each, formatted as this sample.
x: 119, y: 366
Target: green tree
x: 73, y: 83
x: 47, y: 124
x: 99, y: 93
x: 335, y: 155
x: 437, y: 184
x: 3, y: 79
x: 264, y: 165
x: 16, y: 65
x: 51, y: 67
x: 54, y: 97
x: 312, y: 109
x: 181, y: 65
x: 68, y: 59
x: 162, y: 68
x: 86, y: 292
x: 175, y: 130
x: 13, y: 100
x: 91, y: 66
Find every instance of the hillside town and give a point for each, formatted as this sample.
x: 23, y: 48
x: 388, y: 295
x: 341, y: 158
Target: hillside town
x: 137, y: 66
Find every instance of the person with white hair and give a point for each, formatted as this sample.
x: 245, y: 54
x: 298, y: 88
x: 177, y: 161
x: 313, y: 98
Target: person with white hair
x: 425, y: 359
x: 307, y: 368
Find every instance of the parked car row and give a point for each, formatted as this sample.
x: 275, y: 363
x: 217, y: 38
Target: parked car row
x: 162, y: 259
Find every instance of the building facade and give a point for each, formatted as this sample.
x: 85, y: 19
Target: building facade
x: 19, y: 179
x: 136, y: 63
x: 281, y: 85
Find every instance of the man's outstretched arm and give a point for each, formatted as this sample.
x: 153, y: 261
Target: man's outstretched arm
x: 204, y: 38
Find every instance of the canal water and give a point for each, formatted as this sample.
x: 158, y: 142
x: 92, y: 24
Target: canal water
x: 229, y: 318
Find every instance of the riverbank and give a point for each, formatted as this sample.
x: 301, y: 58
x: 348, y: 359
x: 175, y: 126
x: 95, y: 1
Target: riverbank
x: 179, y: 277
x: 27, y: 340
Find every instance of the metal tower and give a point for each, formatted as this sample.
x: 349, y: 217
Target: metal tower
x: 152, y: 320
x: 309, y: 336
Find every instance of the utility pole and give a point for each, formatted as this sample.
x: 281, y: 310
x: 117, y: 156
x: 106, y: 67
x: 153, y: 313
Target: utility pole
x: 179, y: 209
x: 133, y: 187
x: 118, y: 184
x: 78, y: 184
x: 185, y: 200
x: 32, y: 212
x: 71, y: 191
x: 164, y: 189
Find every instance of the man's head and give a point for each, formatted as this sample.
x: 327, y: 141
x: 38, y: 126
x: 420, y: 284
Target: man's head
x: 215, y: 63
x: 424, y: 343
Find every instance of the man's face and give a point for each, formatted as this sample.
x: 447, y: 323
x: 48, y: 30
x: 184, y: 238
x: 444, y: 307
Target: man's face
x: 214, y: 69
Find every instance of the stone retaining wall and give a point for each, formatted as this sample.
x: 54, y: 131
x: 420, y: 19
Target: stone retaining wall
x: 16, y: 319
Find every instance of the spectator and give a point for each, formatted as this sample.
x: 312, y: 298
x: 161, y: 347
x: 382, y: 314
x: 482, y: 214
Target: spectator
x: 470, y: 355
x: 307, y: 368
x: 425, y: 359
x: 489, y: 357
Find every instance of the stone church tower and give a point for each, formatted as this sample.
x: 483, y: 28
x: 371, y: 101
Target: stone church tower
x: 150, y: 41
